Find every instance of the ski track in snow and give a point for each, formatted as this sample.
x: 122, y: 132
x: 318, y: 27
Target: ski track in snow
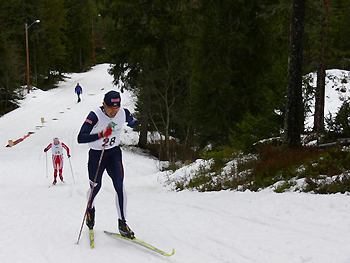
x: 41, y: 223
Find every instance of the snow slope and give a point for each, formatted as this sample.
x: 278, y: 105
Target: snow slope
x: 41, y: 224
x: 337, y: 91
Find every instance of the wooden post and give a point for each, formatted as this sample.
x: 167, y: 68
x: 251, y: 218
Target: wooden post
x: 42, y: 120
x: 27, y: 51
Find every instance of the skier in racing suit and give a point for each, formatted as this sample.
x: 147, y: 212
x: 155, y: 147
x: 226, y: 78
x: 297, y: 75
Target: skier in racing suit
x: 102, y: 129
x: 57, y: 157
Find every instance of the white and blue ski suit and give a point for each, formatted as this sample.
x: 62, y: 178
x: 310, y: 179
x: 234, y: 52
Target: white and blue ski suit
x: 96, y: 122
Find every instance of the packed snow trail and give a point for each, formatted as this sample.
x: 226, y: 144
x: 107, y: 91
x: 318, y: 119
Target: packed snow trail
x: 41, y: 224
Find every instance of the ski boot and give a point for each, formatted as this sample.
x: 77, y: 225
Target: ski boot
x: 61, y: 178
x: 90, y: 218
x: 54, y: 179
x: 125, y: 230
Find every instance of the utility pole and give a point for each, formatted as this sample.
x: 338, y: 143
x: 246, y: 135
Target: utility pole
x: 27, y: 51
x: 28, y: 79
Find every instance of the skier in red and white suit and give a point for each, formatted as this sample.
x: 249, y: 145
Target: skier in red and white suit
x: 57, y: 157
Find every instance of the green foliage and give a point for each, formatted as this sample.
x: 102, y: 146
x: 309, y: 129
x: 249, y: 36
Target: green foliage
x: 339, y: 185
x: 204, y: 72
x: 339, y: 54
x: 323, y: 171
x: 285, y: 186
x: 245, y: 133
x: 328, y: 185
x: 330, y: 163
x: 80, y: 14
x: 339, y: 125
x: 9, y: 67
x: 152, y: 62
x: 177, y: 152
x: 61, y: 42
x: 231, y: 69
x: 48, y: 57
x: 203, y: 181
x: 220, y: 157
x: 9, y: 78
x: 202, y: 67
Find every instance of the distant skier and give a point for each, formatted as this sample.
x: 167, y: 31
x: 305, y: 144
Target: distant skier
x: 57, y: 157
x: 78, y: 91
x: 102, y: 129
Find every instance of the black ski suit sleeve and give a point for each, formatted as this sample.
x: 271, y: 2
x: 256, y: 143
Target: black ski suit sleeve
x: 129, y: 119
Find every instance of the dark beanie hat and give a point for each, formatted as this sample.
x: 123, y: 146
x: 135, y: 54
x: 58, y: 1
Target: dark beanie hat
x: 112, y: 99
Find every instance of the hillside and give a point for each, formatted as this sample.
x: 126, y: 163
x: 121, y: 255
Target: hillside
x: 41, y: 224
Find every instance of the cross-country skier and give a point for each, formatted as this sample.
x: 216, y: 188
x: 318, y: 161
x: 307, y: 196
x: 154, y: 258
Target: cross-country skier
x: 102, y: 129
x: 78, y: 91
x: 57, y: 157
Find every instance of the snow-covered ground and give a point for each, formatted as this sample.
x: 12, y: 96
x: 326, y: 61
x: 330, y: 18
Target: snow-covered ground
x: 41, y: 224
x: 337, y: 91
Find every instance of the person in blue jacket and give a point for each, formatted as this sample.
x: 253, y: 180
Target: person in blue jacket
x: 78, y: 91
x: 101, y: 130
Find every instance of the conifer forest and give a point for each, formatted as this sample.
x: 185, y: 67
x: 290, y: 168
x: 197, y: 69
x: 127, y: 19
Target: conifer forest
x: 204, y: 73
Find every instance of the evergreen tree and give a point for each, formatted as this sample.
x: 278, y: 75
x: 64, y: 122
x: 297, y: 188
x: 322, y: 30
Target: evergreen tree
x: 316, y: 50
x: 80, y: 14
x: 339, y: 34
x: 294, y: 109
x: 151, y: 60
x: 49, y: 52
x: 12, y: 42
x: 237, y: 67
x: 9, y: 76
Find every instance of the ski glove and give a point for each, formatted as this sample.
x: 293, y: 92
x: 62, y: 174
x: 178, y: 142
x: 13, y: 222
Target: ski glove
x: 68, y: 155
x: 45, y: 150
x: 107, y: 132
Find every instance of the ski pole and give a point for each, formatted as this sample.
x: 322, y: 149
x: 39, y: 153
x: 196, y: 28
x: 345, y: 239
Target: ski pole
x: 71, y: 169
x: 92, y: 190
x: 46, y: 166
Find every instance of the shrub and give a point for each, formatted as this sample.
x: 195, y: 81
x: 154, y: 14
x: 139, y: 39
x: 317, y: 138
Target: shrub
x: 323, y: 170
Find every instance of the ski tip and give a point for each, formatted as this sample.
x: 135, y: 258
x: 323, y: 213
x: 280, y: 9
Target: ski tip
x: 167, y: 254
x: 92, y: 241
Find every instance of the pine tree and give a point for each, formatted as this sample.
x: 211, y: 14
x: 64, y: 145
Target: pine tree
x: 80, y: 14
x: 48, y: 40
x: 237, y: 65
x: 12, y: 42
x: 294, y: 109
x: 151, y: 39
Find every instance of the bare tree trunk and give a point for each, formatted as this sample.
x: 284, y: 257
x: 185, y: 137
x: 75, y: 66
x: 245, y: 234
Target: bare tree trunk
x: 80, y: 60
x: 145, y: 109
x: 167, y: 130
x: 321, y: 75
x: 294, y: 108
x: 319, y: 99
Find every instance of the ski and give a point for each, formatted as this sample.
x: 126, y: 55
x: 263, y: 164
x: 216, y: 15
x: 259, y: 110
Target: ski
x: 92, y: 239
x: 52, y: 185
x: 141, y: 243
